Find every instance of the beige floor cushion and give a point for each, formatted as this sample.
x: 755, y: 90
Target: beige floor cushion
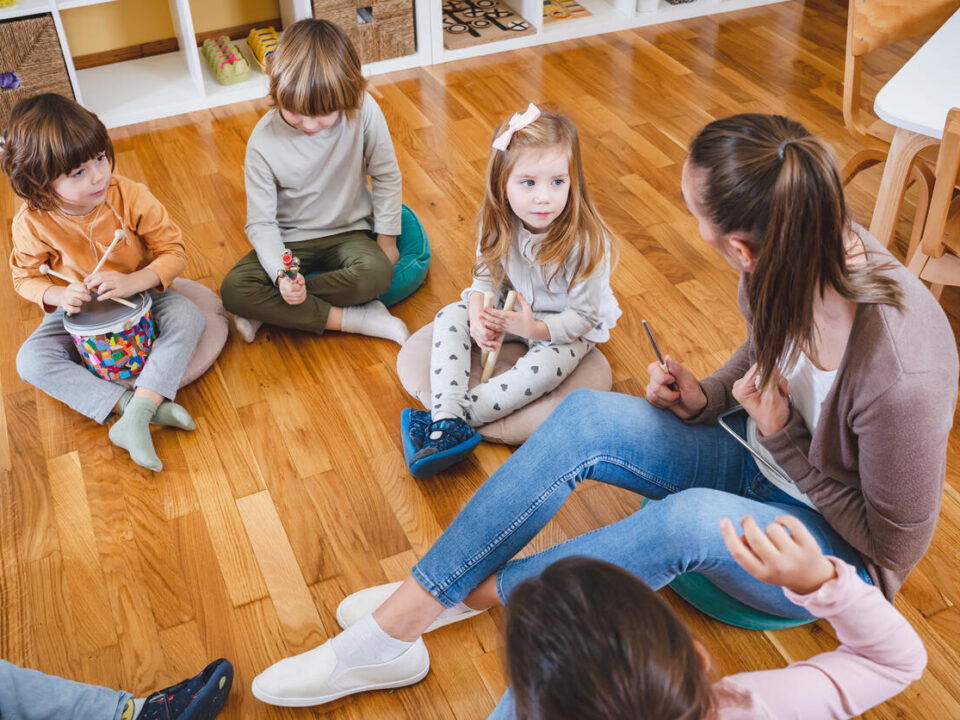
x: 413, y: 367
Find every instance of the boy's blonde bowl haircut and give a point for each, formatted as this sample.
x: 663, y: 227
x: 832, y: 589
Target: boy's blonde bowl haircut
x: 315, y: 70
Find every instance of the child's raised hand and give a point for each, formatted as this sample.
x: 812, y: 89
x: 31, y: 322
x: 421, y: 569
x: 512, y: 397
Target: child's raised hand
x: 516, y: 322
x: 293, y: 290
x: 112, y: 284
x: 787, y: 554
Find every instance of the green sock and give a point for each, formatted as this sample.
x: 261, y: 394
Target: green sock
x: 168, y: 414
x: 173, y: 415
x: 132, y: 433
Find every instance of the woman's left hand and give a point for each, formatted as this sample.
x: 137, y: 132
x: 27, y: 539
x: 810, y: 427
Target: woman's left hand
x: 516, y: 322
x: 769, y: 409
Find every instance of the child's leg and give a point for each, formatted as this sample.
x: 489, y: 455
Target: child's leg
x: 450, y: 363
x: 248, y: 293
x: 49, y: 361
x: 352, y: 269
x: 32, y: 695
x: 538, y: 372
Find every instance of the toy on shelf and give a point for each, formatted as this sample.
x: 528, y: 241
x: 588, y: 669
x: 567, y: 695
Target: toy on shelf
x: 291, y: 264
x: 7, y: 3
x: 262, y: 42
x: 226, y: 60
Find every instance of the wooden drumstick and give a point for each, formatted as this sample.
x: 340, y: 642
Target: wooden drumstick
x: 45, y: 270
x: 117, y: 237
x: 493, y: 355
x: 487, y: 303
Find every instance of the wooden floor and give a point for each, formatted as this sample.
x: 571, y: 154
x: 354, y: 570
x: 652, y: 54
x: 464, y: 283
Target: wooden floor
x: 292, y: 492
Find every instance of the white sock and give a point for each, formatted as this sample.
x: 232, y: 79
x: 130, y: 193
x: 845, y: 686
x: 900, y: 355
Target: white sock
x: 458, y: 609
x: 440, y: 415
x: 365, y: 643
x: 375, y: 320
x: 246, y: 327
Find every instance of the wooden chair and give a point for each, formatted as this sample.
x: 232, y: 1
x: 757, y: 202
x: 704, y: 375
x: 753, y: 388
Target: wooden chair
x: 937, y: 260
x: 872, y: 25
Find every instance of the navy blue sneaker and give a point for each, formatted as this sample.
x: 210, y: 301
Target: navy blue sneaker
x: 413, y: 431
x: 457, y: 440
x: 201, y: 697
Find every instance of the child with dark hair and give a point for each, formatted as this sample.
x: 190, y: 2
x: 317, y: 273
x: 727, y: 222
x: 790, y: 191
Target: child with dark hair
x: 588, y: 639
x: 59, y: 159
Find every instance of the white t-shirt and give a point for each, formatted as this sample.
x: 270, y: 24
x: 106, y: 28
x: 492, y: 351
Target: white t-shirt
x: 809, y: 386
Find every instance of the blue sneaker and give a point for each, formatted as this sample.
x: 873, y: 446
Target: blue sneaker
x: 413, y: 431
x: 201, y: 697
x: 457, y: 440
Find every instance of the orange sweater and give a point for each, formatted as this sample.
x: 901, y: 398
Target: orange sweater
x: 64, y: 241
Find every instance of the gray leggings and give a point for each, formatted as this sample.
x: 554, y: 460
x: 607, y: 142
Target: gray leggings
x: 536, y: 373
x: 50, y: 361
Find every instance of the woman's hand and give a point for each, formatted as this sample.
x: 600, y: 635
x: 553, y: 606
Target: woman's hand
x: 70, y: 298
x: 677, y: 390
x: 516, y: 322
x: 293, y: 290
x: 769, y: 409
x: 786, y: 555
x: 388, y: 243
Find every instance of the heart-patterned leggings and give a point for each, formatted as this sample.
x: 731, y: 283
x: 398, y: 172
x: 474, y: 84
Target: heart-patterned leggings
x: 540, y: 370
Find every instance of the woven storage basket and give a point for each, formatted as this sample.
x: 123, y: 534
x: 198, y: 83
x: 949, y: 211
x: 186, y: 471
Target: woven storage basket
x: 29, y: 47
x: 388, y: 33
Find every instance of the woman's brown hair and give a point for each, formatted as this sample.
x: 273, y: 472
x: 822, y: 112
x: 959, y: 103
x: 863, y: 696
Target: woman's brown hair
x: 315, y: 70
x: 578, y: 241
x: 48, y: 136
x: 589, y: 640
x: 767, y: 177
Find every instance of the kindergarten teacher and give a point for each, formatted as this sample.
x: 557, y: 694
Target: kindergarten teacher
x: 848, y: 379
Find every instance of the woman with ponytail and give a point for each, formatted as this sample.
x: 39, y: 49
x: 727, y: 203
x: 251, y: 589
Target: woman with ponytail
x: 847, y: 381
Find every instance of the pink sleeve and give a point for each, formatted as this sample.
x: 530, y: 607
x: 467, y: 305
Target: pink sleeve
x: 879, y: 656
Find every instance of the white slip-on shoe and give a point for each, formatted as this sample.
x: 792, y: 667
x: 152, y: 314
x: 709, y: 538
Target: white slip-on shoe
x: 355, y: 606
x: 316, y: 677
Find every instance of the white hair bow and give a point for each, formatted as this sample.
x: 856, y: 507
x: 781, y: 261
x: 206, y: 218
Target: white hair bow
x: 517, y: 122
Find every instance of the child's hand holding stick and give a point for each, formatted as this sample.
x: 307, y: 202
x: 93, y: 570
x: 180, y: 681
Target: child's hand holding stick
x: 45, y: 270
x: 491, y: 359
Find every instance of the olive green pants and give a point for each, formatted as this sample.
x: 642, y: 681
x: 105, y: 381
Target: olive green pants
x: 350, y: 268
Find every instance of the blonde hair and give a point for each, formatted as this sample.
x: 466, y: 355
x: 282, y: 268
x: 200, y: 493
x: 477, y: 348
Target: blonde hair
x: 578, y: 239
x: 48, y: 136
x: 315, y: 70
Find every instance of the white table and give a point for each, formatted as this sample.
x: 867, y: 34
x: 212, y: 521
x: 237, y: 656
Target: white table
x: 916, y: 101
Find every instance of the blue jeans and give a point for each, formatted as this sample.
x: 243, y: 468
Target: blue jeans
x: 32, y: 695
x: 697, y: 474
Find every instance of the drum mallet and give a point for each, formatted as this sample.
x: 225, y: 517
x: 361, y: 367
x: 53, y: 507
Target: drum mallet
x: 45, y: 270
x: 492, y: 356
x: 119, y: 235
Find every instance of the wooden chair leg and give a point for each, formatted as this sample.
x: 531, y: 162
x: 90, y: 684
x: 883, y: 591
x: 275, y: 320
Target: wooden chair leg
x: 924, y: 177
x: 862, y: 160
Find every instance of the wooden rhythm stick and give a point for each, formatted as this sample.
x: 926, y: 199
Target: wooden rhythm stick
x: 493, y: 355
x: 45, y: 270
x: 117, y: 237
x: 487, y: 303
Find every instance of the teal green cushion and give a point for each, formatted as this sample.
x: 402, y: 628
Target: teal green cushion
x: 711, y: 600
x: 411, y: 269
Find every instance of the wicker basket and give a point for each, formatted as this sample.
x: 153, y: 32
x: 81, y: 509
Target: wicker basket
x: 29, y: 47
x: 380, y: 29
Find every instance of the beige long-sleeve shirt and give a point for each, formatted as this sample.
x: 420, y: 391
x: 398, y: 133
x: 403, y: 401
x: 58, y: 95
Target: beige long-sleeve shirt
x: 301, y: 187
x: 73, y: 244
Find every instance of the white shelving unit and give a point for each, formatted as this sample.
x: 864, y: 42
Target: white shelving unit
x: 162, y: 85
